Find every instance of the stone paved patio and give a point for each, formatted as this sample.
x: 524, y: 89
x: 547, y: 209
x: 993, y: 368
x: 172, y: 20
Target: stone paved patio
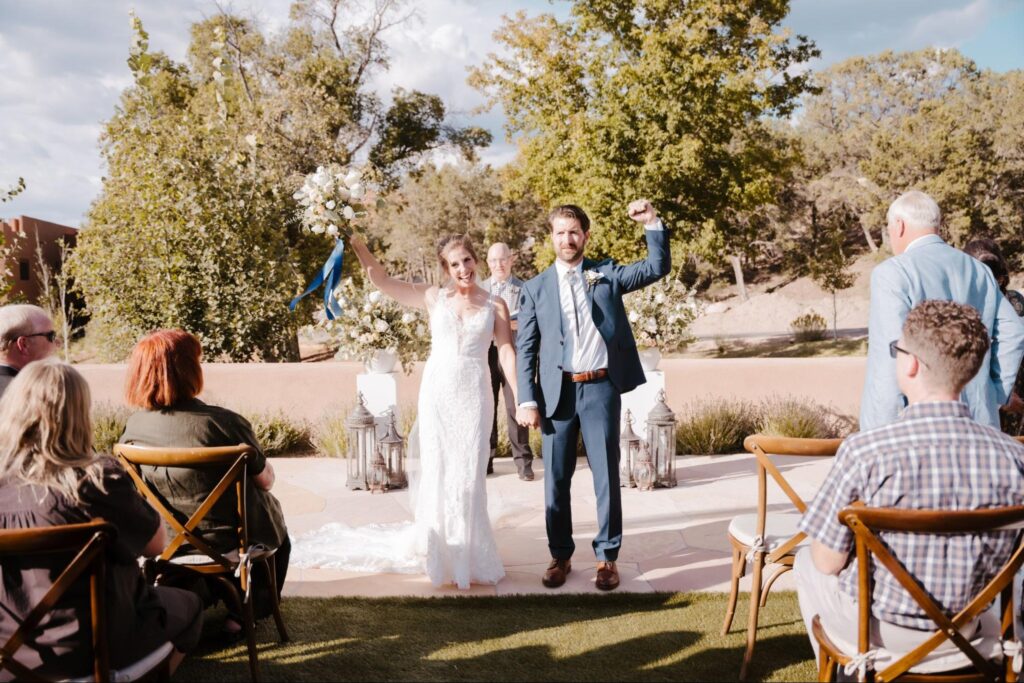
x: 674, y: 539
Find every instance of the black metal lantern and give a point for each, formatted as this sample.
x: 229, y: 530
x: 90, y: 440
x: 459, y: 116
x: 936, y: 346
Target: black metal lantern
x: 362, y: 444
x: 661, y: 437
x: 392, y: 449
x: 629, y: 451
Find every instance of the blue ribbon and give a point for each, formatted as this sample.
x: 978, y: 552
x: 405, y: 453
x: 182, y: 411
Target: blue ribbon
x: 330, y: 274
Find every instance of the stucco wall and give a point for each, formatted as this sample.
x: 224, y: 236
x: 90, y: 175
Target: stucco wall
x: 308, y: 390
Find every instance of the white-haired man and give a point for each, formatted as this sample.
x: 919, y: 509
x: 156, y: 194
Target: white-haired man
x: 26, y: 334
x: 925, y: 267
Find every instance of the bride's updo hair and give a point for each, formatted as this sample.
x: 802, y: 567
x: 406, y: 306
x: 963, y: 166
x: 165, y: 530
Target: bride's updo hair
x: 446, y: 244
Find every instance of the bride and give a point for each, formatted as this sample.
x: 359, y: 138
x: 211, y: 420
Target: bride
x: 450, y: 537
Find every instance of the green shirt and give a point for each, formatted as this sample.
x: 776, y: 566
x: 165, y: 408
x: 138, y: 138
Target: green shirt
x: 195, y: 424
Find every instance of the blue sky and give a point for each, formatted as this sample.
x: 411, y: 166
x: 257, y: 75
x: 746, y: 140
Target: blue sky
x: 62, y: 66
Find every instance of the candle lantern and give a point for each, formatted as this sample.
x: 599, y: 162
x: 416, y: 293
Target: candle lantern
x: 661, y: 437
x: 392, y: 448
x: 644, y: 471
x: 362, y: 442
x: 377, y: 479
x: 629, y: 451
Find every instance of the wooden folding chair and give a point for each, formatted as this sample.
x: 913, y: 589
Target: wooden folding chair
x: 86, y: 544
x: 865, y: 523
x: 210, y: 562
x: 767, y: 538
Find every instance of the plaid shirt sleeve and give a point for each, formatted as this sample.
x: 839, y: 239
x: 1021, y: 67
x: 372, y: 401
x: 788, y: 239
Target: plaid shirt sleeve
x: 841, y: 487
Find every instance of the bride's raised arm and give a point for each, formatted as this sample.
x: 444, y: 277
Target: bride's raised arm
x: 405, y: 293
x: 503, y: 341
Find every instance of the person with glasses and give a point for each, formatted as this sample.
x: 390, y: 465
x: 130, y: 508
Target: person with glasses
x: 924, y: 267
x: 934, y: 456
x: 26, y: 335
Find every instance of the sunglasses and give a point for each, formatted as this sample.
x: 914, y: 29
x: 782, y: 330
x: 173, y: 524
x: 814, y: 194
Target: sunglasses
x: 895, y: 348
x: 51, y: 336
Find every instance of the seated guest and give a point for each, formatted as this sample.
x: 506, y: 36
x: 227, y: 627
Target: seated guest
x: 934, y: 457
x: 164, y: 378
x: 49, y: 476
x: 26, y: 334
x: 925, y: 267
x: 988, y: 252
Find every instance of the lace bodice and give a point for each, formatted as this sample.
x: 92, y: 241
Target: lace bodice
x: 455, y: 335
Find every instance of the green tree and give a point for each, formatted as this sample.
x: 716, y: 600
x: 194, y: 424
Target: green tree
x: 828, y: 263
x: 653, y: 98
x: 7, y: 249
x: 882, y: 124
x: 196, y: 226
x: 464, y: 198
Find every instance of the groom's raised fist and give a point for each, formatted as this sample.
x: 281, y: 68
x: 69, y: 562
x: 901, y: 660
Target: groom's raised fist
x: 642, y: 212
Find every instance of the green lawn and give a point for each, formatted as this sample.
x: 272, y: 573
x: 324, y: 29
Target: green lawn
x: 614, y: 637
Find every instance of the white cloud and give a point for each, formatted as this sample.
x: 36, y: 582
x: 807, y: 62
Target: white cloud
x: 952, y: 27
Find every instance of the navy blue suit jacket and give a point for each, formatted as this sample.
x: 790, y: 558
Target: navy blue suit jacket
x: 540, y: 341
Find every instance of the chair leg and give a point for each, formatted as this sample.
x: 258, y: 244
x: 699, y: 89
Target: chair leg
x: 771, y: 581
x: 244, y: 610
x: 826, y: 668
x: 755, y: 602
x: 275, y: 601
x: 739, y: 564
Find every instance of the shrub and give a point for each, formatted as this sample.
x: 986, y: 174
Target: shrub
x: 791, y: 417
x: 810, y: 326
x: 108, y: 422
x: 330, y: 436
x: 718, y: 426
x: 280, y: 435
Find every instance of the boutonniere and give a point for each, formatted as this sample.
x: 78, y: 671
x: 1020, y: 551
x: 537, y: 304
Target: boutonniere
x: 592, y: 277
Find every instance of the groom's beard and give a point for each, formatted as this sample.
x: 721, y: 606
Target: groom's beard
x: 570, y: 254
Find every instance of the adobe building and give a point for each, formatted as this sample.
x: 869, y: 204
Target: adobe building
x: 24, y: 233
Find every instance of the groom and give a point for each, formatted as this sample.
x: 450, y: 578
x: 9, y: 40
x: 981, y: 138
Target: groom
x: 574, y: 338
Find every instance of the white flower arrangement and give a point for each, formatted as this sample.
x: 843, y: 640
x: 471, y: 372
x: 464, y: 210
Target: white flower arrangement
x: 661, y: 315
x: 592, y: 277
x: 330, y: 197
x: 371, y: 322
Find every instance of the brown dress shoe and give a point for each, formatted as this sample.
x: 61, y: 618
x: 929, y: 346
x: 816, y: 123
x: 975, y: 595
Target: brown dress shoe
x: 607, y: 576
x: 556, y: 573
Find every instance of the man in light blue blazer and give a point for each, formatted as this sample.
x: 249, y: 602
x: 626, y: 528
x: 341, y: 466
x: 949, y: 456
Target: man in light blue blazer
x: 576, y: 355
x: 925, y: 267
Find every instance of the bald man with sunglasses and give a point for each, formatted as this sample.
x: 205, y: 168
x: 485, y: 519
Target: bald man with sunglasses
x: 26, y: 335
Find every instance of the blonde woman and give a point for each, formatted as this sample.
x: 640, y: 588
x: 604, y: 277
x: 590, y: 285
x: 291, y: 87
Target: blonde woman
x: 50, y: 476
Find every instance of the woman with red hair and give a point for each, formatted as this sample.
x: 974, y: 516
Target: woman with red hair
x: 164, y: 379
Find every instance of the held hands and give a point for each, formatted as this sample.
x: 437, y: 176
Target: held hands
x: 528, y: 417
x: 642, y: 212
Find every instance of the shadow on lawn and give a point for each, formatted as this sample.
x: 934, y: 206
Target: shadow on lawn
x: 655, y: 637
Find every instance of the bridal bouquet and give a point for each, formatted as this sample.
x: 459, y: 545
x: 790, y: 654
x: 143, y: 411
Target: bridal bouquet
x: 661, y: 315
x: 330, y: 197
x: 370, y: 322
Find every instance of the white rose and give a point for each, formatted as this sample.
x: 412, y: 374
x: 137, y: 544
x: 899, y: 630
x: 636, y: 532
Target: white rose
x: 381, y: 326
x: 659, y: 298
x: 352, y: 178
x: 332, y: 230
x: 348, y: 212
x: 374, y: 297
x: 357, y: 191
x: 633, y: 316
x: 342, y: 193
x: 407, y: 318
x: 420, y: 330
x: 365, y: 320
x: 367, y: 308
x: 318, y: 229
x: 331, y: 204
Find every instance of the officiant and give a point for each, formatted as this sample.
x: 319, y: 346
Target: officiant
x: 502, y: 283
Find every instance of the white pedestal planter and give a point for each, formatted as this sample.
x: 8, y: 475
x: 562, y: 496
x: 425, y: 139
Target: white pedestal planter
x: 382, y: 362
x: 649, y: 359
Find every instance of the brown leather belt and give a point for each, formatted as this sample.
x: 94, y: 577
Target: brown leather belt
x: 588, y: 376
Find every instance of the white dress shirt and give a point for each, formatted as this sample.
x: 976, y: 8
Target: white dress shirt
x: 585, y: 349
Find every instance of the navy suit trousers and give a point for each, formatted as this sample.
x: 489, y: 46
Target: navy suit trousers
x: 590, y: 408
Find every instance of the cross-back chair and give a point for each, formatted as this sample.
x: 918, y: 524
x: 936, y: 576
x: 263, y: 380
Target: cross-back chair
x: 767, y: 538
x: 207, y: 561
x: 86, y: 544
x: 973, y: 665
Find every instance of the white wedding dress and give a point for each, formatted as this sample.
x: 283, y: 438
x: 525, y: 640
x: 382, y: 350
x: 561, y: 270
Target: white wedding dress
x: 450, y: 538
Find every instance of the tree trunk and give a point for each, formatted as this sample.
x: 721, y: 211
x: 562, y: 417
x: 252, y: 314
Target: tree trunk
x: 737, y: 271
x: 867, y: 236
x: 835, y: 318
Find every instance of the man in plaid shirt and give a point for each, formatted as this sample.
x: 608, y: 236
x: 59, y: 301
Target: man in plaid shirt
x: 934, y: 457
